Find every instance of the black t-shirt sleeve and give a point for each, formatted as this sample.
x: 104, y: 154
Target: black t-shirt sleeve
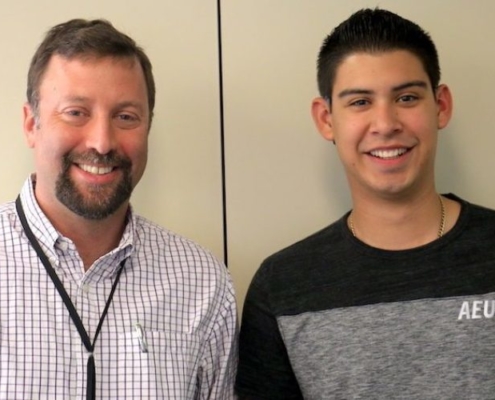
x: 264, y: 369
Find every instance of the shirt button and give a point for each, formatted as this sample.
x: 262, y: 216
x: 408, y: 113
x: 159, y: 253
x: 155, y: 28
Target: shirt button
x: 86, y: 288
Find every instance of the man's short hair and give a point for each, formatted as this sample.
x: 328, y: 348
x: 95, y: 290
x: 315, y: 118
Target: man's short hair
x: 374, y: 31
x: 79, y: 38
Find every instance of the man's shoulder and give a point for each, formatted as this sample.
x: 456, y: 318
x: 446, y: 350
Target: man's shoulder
x: 165, y: 243
x: 8, y: 216
x: 479, y: 210
x: 312, y: 252
x: 475, y: 216
x: 321, y: 241
x: 7, y: 208
x: 150, y: 230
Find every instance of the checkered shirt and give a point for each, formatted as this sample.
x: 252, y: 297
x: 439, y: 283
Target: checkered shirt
x: 178, y: 294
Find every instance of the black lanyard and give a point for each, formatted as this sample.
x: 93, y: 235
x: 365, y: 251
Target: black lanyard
x: 91, y: 379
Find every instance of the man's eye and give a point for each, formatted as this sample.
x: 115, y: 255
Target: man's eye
x: 407, y: 98
x: 359, y: 103
x: 126, y: 117
x: 74, y: 113
x: 127, y: 120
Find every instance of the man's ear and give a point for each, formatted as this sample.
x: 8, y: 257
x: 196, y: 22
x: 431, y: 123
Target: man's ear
x: 30, y: 124
x: 322, y: 117
x: 445, y: 105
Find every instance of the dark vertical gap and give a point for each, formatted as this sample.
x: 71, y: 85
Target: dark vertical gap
x: 222, y: 135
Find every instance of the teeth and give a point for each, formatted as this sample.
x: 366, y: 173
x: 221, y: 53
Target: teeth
x: 388, y: 154
x: 92, y: 169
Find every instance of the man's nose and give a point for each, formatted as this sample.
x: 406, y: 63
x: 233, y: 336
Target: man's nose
x: 101, y: 135
x: 386, y: 120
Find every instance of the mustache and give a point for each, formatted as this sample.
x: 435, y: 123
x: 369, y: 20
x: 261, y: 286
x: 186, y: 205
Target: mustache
x: 111, y: 159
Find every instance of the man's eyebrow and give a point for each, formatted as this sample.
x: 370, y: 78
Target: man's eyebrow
x: 76, y: 99
x: 351, y: 92
x: 407, y: 85
x: 398, y: 88
x: 131, y: 103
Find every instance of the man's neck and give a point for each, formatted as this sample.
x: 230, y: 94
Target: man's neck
x: 399, y: 224
x: 92, y: 238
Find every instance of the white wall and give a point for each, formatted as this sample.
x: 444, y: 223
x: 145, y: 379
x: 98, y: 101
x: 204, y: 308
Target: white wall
x: 283, y: 181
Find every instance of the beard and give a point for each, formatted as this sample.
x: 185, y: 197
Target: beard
x: 99, y: 201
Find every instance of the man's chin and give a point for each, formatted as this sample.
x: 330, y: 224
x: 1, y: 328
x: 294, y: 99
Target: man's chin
x: 95, y: 212
x: 94, y: 205
x: 93, y: 201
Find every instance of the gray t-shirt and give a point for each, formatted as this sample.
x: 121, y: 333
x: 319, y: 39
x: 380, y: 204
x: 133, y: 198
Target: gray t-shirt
x: 333, y: 318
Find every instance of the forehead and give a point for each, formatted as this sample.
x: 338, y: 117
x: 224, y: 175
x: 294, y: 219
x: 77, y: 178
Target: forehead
x: 93, y: 75
x: 90, y: 59
x: 80, y: 65
x: 382, y: 69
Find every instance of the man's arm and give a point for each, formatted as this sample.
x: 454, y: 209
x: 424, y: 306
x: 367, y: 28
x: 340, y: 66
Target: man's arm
x: 264, y: 370
x: 220, y: 359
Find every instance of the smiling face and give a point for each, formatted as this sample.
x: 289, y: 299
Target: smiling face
x: 90, y: 135
x: 384, y: 118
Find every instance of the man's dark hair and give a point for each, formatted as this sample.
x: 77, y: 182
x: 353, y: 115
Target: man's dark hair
x: 82, y: 38
x: 374, y: 31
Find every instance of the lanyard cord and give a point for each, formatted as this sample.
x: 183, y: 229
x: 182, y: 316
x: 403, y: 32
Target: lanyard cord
x: 91, y: 370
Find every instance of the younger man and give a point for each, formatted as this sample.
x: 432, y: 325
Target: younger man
x: 395, y: 299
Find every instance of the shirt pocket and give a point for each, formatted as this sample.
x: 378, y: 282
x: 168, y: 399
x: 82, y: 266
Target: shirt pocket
x: 166, y: 367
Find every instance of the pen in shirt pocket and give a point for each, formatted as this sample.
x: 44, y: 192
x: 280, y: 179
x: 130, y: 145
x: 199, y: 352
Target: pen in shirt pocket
x: 139, y: 333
